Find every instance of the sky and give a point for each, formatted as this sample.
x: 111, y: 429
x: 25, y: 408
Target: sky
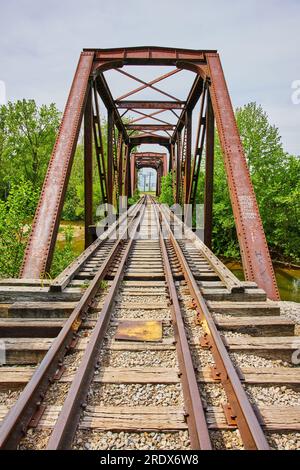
x: 258, y: 41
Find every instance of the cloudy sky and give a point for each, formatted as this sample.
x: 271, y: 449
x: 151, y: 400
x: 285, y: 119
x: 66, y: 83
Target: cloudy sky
x: 258, y: 41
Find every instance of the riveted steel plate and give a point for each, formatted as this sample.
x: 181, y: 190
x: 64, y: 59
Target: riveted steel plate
x: 139, y: 331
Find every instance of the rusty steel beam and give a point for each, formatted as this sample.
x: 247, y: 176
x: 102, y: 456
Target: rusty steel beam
x: 150, y: 127
x: 149, y: 139
x: 150, y: 116
x: 209, y: 173
x: 178, y: 157
x: 150, y: 55
x: 147, y: 84
x: 199, y: 144
x: 40, y: 246
x: 88, y: 169
x: 149, y: 154
x: 191, y: 102
x: 107, y: 98
x: 188, y: 157
x: 110, y: 155
x: 150, y: 104
x: 255, y: 254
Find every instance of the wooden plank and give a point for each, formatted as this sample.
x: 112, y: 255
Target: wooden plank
x: 17, y: 377
x: 119, y: 418
x: 279, y: 346
x: 259, y: 326
x: 134, y: 418
x: 142, y: 259
x: 25, y: 350
x: 245, y: 308
x: 150, y: 262
x: 144, y: 283
x: 209, y: 276
x: 272, y: 418
x: 146, y: 270
x: 165, y: 345
x: 143, y: 306
x: 135, y: 293
x: 249, y: 295
x: 290, y: 343
x: 139, y: 275
x: 41, y: 309
x: 259, y: 376
x: 141, y: 375
x: 271, y: 375
x: 29, y: 327
x: 14, y: 377
x: 24, y: 282
x: 20, y: 293
x: 211, y: 284
x: 108, y: 418
x: 280, y: 418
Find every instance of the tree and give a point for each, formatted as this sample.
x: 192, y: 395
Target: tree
x: 276, y: 179
x: 27, y: 136
x: 166, y: 195
x: 15, y: 224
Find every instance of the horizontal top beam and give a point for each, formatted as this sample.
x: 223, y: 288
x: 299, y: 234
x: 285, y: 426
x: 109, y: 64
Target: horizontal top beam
x: 149, y: 139
x: 148, y: 154
x: 150, y: 127
x: 149, y: 55
x: 150, y: 104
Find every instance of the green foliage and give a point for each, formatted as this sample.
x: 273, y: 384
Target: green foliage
x: 276, y: 179
x: 15, y: 213
x: 166, y: 195
x: 65, y: 255
x: 136, y: 196
x: 27, y: 135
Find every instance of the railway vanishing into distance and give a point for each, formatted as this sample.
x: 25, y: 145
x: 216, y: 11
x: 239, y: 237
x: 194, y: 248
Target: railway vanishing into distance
x: 146, y: 342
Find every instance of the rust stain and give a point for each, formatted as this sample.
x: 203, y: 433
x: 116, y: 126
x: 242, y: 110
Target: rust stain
x: 139, y: 331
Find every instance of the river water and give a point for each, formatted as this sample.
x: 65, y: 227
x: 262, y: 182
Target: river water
x: 288, y: 280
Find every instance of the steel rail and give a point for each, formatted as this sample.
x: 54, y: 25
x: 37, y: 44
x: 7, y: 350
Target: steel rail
x: 16, y: 422
x: 65, y: 277
x: 66, y: 425
x: 247, y: 422
x: 196, y: 420
x: 232, y: 283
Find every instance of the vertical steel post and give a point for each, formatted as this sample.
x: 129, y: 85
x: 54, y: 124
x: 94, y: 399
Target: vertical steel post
x: 188, y: 157
x: 178, y: 168
x: 209, y: 173
x: 41, y: 243
x: 256, y: 258
x: 125, y: 171
x: 120, y: 169
x: 110, y: 155
x: 132, y: 173
x: 129, y: 194
x: 88, y: 169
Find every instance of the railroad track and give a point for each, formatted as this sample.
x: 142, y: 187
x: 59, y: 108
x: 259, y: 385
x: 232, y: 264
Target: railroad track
x: 147, y: 342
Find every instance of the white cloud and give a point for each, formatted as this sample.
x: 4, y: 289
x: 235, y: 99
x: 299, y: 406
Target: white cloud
x: 258, y: 41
